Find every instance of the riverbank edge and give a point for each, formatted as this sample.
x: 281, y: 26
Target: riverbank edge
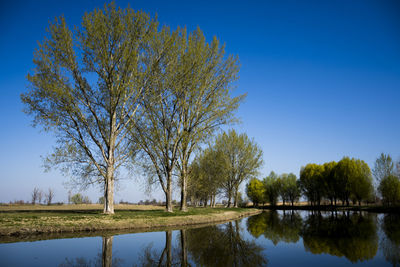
x: 134, y: 225
x: 375, y: 209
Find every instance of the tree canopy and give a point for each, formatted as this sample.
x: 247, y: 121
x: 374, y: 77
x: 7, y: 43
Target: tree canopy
x: 255, y: 190
x: 86, y: 88
x: 244, y: 159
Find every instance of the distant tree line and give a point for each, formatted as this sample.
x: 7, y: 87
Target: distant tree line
x: 274, y: 187
x: 349, y: 180
x: 40, y: 197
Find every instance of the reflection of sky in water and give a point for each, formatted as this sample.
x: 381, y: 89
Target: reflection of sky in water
x: 278, y: 239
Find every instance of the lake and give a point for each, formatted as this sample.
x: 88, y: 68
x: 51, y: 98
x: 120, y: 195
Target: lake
x: 283, y: 238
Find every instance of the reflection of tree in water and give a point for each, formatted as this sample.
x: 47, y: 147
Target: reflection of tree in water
x: 103, y: 259
x: 390, y: 243
x: 352, y: 236
x: 275, y: 227
x: 223, y: 246
x: 169, y: 256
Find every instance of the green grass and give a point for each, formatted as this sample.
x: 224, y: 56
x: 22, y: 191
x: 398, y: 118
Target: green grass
x: 27, y: 221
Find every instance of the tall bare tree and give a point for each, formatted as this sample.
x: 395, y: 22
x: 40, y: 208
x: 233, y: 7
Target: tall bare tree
x: 35, y: 195
x: 49, y: 196
x: 86, y: 88
x: 383, y: 167
x: 40, y: 196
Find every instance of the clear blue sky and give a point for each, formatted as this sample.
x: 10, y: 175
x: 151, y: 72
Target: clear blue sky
x: 322, y: 77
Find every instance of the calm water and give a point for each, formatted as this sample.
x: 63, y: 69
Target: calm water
x: 269, y: 239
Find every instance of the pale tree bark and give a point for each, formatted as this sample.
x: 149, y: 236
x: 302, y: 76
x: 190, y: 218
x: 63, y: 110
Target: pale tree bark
x: 229, y: 198
x: 168, y: 193
x: 183, y: 180
x: 109, y: 196
x: 107, y: 251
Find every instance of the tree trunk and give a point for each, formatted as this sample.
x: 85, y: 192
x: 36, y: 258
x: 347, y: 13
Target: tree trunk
x: 107, y: 251
x: 168, y: 241
x: 236, y: 197
x: 184, y: 261
x: 109, y: 191
x: 183, y: 187
x: 168, y: 193
x: 229, y: 198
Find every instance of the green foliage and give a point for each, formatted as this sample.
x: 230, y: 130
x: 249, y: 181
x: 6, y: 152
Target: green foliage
x: 312, y: 182
x: 391, y: 242
x: 349, y: 179
x: 243, y: 157
x: 77, y: 199
x: 222, y: 167
x: 361, y: 182
x: 389, y: 188
x: 292, y: 188
x: 85, y: 88
x: 352, y: 236
x: 331, y: 184
x: 255, y: 190
x: 354, y: 180
x: 207, y: 174
x: 276, y: 227
x: 80, y: 199
x: 288, y: 188
x: 189, y: 98
x: 223, y: 246
x: 272, y: 188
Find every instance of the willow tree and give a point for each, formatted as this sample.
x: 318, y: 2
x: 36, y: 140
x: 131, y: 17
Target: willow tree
x: 86, y: 88
x: 312, y: 182
x: 255, y: 190
x: 244, y: 158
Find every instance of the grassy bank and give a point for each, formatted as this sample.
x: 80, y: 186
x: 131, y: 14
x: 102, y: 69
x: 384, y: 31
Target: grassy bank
x: 28, y: 220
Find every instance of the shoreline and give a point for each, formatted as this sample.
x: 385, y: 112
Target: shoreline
x: 375, y: 209
x: 35, y: 223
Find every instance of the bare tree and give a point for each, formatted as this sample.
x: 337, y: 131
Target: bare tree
x: 35, y: 195
x: 40, y: 196
x: 384, y: 166
x: 49, y: 196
